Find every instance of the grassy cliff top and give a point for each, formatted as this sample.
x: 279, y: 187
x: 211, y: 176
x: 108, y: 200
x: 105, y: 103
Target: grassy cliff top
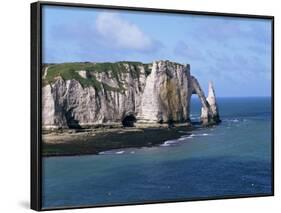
x: 68, y: 71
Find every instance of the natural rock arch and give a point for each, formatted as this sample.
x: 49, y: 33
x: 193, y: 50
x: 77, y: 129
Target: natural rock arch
x: 209, y: 110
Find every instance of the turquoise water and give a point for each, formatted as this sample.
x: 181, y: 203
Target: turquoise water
x: 231, y: 159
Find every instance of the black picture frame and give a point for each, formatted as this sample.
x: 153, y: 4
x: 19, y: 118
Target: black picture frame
x: 36, y: 64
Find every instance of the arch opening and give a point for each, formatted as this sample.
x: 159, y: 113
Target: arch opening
x: 129, y: 121
x: 195, y: 110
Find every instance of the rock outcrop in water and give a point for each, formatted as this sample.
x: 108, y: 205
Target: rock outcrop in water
x: 78, y: 95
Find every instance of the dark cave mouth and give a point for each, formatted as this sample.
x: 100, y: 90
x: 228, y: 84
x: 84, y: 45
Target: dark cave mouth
x: 129, y: 121
x: 72, y: 123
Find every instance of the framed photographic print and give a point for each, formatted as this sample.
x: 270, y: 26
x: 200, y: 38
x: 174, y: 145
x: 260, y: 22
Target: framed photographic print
x: 140, y: 105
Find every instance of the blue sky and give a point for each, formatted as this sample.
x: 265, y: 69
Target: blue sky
x: 235, y: 53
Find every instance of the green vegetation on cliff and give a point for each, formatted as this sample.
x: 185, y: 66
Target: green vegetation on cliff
x: 69, y: 71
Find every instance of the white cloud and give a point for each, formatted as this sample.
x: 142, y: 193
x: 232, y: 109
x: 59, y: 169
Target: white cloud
x: 121, y: 33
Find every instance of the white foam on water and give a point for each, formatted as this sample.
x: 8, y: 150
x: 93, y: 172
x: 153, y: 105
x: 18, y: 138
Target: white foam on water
x: 109, y: 152
x: 182, y: 138
x: 169, y: 143
x: 112, y: 152
x: 198, y: 135
x: 234, y: 120
x: 164, y: 144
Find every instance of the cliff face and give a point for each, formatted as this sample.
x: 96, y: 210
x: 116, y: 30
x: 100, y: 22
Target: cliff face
x: 166, y: 94
x: 86, y: 95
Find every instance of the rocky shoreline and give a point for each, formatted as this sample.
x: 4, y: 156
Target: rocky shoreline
x: 94, y: 141
x: 88, y: 108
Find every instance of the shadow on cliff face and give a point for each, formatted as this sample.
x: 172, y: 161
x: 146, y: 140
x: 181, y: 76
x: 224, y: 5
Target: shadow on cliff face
x: 129, y: 121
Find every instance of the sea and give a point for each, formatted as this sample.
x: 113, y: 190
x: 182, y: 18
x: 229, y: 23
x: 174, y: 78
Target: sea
x: 232, y: 159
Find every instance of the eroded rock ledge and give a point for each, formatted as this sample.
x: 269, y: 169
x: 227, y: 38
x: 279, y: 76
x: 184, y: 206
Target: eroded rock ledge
x: 86, y: 95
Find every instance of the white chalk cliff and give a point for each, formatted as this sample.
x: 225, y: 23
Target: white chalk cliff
x: 138, y: 94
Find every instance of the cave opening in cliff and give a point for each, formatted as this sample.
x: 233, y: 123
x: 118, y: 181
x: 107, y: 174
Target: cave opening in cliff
x: 129, y: 121
x: 72, y: 123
